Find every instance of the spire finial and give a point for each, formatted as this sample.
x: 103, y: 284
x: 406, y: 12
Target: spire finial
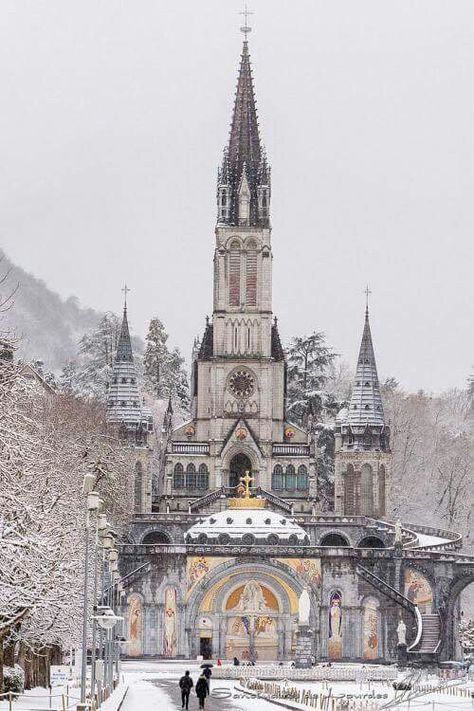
x: 367, y: 293
x: 125, y: 291
x: 245, y: 27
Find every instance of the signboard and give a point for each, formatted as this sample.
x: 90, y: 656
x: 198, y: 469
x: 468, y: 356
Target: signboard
x: 59, y: 676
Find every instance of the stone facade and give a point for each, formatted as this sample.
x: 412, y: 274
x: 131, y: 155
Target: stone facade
x: 200, y: 579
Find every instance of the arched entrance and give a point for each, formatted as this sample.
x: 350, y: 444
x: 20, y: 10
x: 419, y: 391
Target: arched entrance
x: 238, y: 466
x: 250, y: 611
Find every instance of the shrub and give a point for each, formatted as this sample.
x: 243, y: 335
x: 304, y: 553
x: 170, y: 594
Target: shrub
x: 13, y: 679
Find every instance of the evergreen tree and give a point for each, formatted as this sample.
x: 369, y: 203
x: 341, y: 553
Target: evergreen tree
x: 309, y: 360
x: 155, y: 360
x: 164, y: 371
x: 88, y: 375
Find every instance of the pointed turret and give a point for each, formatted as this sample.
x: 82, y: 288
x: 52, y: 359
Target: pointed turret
x: 366, y: 402
x: 244, y: 177
x: 124, y: 404
x: 124, y: 349
x: 362, y: 441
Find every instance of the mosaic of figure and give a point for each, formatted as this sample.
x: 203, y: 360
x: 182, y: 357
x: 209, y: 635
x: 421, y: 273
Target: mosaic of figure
x: 309, y: 570
x: 335, y: 626
x: 197, y: 569
x: 251, y: 601
x: 418, y: 590
x: 135, y: 625
x: 370, y: 633
x: 170, y: 637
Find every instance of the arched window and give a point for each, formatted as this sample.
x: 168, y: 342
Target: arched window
x: 381, y: 507
x: 234, y: 274
x: 349, y: 503
x: 203, y: 477
x: 138, y: 484
x: 302, y: 480
x: 334, y: 540
x: 366, y: 491
x: 191, y: 476
x: 277, y: 477
x: 156, y: 537
x: 290, y: 483
x: 251, y: 282
x: 178, y: 476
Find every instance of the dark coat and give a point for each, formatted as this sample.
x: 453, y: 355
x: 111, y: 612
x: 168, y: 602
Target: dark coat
x: 202, y: 689
x: 186, y: 683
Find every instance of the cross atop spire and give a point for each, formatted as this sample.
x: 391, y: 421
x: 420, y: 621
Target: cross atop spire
x: 367, y: 293
x: 125, y: 292
x: 246, y: 28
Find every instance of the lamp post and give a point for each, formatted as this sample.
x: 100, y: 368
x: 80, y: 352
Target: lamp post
x: 101, y: 530
x: 92, y: 504
x: 107, y: 619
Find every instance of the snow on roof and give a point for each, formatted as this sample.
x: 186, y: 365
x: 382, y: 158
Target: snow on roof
x: 236, y: 523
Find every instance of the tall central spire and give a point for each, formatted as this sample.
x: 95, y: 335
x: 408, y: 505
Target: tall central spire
x: 244, y: 143
x: 244, y: 177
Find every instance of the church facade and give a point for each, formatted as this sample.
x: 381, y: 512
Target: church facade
x: 218, y: 559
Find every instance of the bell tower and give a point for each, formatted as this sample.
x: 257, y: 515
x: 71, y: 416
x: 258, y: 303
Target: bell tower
x: 243, y: 258
x: 363, y: 454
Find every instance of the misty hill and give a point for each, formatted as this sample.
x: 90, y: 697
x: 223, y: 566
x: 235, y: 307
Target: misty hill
x: 44, y: 326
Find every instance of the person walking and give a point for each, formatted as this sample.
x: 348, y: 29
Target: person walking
x: 202, y: 690
x: 185, y: 684
x: 207, y: 673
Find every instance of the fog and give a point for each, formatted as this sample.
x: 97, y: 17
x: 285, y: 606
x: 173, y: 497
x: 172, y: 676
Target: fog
x: 113, y: 119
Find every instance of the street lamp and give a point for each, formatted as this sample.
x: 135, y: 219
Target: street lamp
x: 102, y: 530
x: 93, y: 503
x: 107, y: 619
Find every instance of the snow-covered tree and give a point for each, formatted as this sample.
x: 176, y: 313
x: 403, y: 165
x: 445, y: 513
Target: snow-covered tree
x: 466, y: 635
x: 164, y: 372
x: 47, y: 443
x: 309, y: 360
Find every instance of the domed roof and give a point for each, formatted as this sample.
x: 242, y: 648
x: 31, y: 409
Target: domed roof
x: 247, y: 526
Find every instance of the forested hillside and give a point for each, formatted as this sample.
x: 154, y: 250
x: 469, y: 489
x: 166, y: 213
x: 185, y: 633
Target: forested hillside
x: 45, y: 326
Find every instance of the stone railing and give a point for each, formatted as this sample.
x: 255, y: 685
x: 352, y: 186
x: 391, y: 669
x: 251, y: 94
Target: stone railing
x: 190, y: 448
x: 452, y: 540
x: 336, y: 672
x: 285, y: 550
x: 290, y: 450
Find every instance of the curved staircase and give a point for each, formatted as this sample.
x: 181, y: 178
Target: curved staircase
x: 428, y: 634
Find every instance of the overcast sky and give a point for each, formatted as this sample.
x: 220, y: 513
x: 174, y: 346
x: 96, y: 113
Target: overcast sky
x: 113, y: 117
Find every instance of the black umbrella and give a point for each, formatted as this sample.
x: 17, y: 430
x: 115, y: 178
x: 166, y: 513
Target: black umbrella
x: 206, y: 664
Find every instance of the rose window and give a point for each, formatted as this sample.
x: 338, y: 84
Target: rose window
x: 241, y: 383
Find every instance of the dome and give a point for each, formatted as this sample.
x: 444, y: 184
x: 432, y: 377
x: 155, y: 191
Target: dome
x: 247, y: 526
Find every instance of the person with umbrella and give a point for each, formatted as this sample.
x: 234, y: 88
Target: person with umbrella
x: 207, y: 672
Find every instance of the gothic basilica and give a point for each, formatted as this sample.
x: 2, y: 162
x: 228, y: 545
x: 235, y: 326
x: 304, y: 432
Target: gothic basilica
x: 227, y: 532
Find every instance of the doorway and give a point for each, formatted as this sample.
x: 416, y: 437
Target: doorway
x: 238, y: 466
x: 205, y: 647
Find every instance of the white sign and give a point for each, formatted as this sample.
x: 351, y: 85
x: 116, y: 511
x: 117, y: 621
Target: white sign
x: 59, y: 676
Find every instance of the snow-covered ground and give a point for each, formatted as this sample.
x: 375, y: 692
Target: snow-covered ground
x: 143, y: 694
x: 153, y: 686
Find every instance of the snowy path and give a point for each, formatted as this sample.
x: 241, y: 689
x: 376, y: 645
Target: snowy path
x: 154, y: 687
